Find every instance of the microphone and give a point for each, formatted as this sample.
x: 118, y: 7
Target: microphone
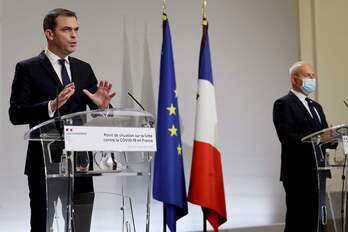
x: 135, y: 100
x: 345, y: 103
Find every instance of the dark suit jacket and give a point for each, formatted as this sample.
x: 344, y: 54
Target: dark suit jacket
x: 293, y: 122
x: 35, y: 84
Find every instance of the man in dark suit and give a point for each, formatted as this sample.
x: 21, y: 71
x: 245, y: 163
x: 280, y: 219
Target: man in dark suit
x: 45, y: 84
x: 294, y: 117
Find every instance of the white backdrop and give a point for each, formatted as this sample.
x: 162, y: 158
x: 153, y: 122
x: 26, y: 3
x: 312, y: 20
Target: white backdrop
x: 252, y: 45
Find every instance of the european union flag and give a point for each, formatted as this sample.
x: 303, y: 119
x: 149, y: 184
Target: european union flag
x: 169, y: 179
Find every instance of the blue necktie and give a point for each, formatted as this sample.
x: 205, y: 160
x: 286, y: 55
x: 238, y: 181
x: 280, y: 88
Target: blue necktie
x: 315, y: 117
x: 64, y: 73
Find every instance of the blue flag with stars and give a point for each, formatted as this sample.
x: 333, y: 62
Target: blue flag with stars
x: 169, y: 178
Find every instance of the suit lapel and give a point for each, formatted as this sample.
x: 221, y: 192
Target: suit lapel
x: 302, y: 108
x: 48, y: 67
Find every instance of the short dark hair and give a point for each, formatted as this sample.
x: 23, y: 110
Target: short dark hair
x: 49, y: 21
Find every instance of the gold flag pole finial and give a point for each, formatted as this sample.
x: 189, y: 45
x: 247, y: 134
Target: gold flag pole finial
x: 204, y: 12
x: 164, y: 10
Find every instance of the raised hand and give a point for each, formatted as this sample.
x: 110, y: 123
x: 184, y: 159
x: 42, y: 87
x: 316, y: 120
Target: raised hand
x: 63, y: 97
x: 103, y: 95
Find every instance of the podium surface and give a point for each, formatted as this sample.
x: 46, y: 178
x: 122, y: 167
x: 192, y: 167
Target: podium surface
x: 120, y: 164
x: 331, y: 170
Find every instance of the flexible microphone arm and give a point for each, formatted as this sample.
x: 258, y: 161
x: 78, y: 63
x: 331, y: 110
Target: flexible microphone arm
x: 345, y: 103
x: 141, y: 106
x: 138, y: 103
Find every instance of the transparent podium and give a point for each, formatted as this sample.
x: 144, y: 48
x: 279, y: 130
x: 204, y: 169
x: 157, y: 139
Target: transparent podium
x: 331, y: 167
x: 119, y: 163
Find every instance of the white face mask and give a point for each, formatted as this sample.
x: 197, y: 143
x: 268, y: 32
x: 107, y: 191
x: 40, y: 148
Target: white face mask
x: 308, y: 85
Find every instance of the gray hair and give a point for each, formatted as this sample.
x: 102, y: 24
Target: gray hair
x: 294, y: 69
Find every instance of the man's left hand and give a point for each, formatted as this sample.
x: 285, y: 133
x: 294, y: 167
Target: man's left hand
x: 103, y: 95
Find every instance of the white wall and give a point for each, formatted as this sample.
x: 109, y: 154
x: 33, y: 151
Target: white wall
x: 325, y: 46
x: 252, y: 45
x: 332, y: 60
x: 1, y: 83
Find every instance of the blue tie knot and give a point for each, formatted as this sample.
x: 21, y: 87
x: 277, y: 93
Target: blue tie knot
x: 64, y: 73
x: 61, y: 62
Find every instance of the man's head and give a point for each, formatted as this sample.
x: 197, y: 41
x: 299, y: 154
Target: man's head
x: 302, y: 77
x: 60, y: 28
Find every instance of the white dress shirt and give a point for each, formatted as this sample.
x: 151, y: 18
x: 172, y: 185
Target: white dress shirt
x: 56, y: 65
x: 58, y: 69
x: 302, y: 98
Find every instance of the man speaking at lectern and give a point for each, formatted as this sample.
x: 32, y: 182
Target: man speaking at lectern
x: 296, y: 116
x: 50, y: 84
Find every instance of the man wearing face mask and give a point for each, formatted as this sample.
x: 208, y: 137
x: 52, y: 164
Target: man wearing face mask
x: 295, y: 115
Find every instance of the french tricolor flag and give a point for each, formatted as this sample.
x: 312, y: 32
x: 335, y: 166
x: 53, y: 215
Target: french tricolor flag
x: 206, y: 181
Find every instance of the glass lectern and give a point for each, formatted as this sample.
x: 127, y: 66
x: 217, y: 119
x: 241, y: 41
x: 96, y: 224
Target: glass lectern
x: 121, y: 175
x: 331, y: 167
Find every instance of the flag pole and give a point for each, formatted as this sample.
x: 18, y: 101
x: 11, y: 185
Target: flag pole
x: 204, y: 23
x: 204, y: 9
x: 164, y: 17
x: 164, y: 219
x: 164, y: 10
x: 204, y: 221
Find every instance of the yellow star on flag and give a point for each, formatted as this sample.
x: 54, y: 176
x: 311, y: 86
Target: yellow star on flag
x: 179, y: 149
x: 171, y: 109
x: 172, y: 131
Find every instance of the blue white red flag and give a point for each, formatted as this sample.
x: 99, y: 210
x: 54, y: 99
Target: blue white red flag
x: 206, y: 181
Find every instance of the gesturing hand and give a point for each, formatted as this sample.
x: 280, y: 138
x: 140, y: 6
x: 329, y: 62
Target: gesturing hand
x: 63, y: 96
x: 103, y: 95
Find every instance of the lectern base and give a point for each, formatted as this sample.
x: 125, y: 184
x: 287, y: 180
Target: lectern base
x: 83, y: 206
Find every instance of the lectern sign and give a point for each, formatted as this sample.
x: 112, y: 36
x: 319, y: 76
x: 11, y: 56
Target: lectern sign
x: 84, y: 138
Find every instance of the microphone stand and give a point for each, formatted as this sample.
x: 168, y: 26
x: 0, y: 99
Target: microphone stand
x: 69, y: 224
x: 343, y: 193
x: 148, y: 124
